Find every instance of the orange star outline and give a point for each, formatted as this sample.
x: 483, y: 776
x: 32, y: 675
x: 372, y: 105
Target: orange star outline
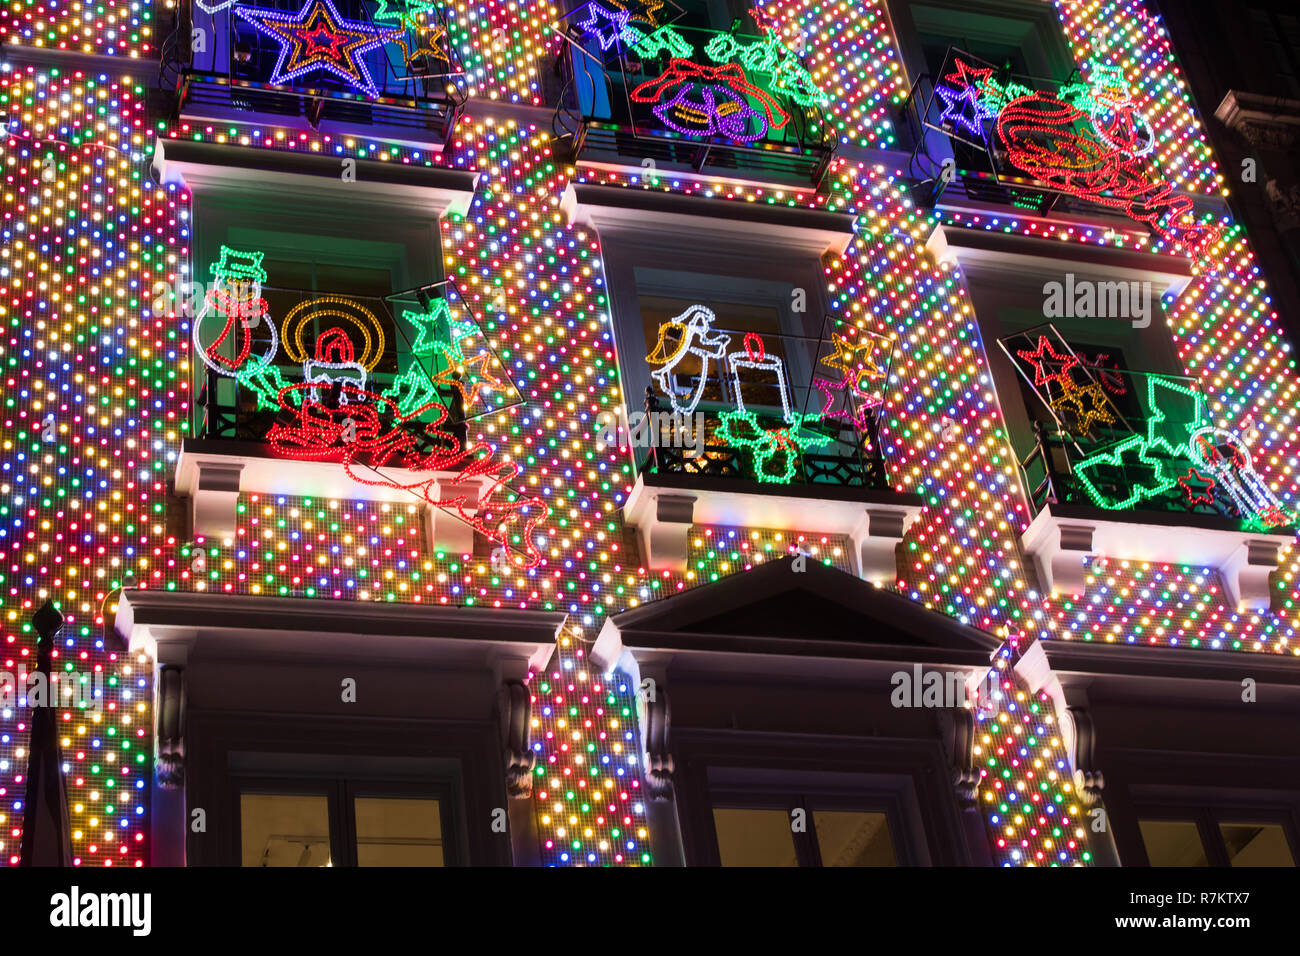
x: 846, y: 359
x: 484, y: 379
x: 1097, y: 409
x: 426, y: 39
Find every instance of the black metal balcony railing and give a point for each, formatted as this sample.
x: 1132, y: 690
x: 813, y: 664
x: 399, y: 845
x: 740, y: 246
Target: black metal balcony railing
x: 1135, y: 442
x: 744, y: 420
x: 854, y: 462
x: 689, y: 98
x: 279, y: 57
x: 356, y: 351
x: 1050, y: 476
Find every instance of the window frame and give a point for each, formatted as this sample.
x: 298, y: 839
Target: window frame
x: 807, y: 845
x: 337, y: 227
x: 1047, y: 57
x: 341, y: 792
x: 1209, y: 815
x: 719, y: 274
x: 904, y: 778
x: 997, y: 313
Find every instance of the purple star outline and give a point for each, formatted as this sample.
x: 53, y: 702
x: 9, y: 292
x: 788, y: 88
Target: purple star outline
x: 956, y: 100
x: 618, y: 18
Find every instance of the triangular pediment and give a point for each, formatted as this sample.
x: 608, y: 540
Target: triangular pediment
x: 818, y: 603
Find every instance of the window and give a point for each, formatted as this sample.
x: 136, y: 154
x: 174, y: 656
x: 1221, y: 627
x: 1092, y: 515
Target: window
x: 1025, y: 38
x: 1212, y: 837
x: 726, y: 345
x: 284, y: 829
x: 724, y: 317
x: 720, y: 386
x: 754, y: 837
x: 716, y: 15
x: 1007, y: 56
x: 333, y: 274
x: 1097, y: 406
x: 740, y: 305
x: 829, y: 837
x: 1278, y: 35
x: 1022, y: 41
x: 340, y: 823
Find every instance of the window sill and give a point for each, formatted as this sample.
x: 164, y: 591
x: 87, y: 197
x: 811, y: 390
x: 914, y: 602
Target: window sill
x: 213, y: 473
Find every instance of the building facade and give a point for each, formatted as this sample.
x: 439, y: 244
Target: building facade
x: 641, y: 432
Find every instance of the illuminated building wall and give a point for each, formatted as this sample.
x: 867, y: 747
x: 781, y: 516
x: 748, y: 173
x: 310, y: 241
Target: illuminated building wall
x: 84, y: 510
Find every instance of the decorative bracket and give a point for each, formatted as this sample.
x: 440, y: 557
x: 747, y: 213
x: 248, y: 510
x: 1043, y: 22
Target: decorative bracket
x: 656, y: 722
x: 169, y: 759
x: 514, y: 705
x: 958, y: 728
x: 1088, y: 779
x: 876, y: 538
x: 214, y: 499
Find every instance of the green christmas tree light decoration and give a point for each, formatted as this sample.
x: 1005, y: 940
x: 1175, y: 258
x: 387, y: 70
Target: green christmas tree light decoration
x: 1152, y: 462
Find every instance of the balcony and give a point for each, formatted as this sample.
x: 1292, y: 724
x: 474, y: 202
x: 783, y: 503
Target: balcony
x: 370, y: 410
x: 329, y: 64
x: 1128, y: 464
x: 725, y: 439
x: 655, y: 95
x: 985, y: 136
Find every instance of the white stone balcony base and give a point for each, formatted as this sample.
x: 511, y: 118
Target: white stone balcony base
x: 663, y: 515
x: 1062, y: 537
x: 213, y: 474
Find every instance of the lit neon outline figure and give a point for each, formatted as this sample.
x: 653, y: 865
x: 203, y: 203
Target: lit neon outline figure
x: 698, y: 338
x: 696, y: 99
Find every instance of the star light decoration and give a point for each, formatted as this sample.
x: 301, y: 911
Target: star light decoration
x: 441, y: 334
x: 426, y: 44
x: 317, y: 39
x: 1088, y: 404
x: 422, y: 19
x: 1197, y: 487
x: 1039, y: 357
x: 607, y: 26
x: 963, y: 102
x: 849, y: 398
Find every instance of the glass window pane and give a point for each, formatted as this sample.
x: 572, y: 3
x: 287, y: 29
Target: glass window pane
x: 1256, y: 844
x: 853, y: 838
x: 754, y: 838
x: 1173, y: 843
x: 398, y: 832
x: 284, y: 829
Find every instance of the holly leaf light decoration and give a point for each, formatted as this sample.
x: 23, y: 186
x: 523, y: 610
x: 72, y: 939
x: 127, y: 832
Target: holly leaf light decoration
x: 775, y: 451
